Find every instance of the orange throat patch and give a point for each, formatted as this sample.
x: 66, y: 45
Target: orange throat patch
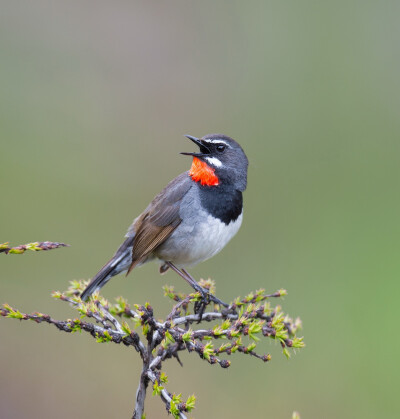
x: 203, y: 173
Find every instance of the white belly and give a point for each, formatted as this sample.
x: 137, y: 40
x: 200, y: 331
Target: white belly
x: 190, y: 244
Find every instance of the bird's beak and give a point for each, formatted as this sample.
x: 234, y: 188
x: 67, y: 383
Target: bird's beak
x: 203, y: 148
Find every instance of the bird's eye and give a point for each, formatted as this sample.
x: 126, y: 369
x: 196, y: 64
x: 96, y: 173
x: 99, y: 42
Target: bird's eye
x: 220, y: 148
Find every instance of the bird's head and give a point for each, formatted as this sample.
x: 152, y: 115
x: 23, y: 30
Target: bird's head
x: 220, y: 160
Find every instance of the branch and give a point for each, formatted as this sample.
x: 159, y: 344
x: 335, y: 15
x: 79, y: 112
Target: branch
x: 242, y: 326
x: 141, y: 395
x: 36, y: 247
x: 169, y: 401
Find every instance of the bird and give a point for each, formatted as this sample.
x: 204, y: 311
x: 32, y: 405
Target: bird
x: 190, y: 220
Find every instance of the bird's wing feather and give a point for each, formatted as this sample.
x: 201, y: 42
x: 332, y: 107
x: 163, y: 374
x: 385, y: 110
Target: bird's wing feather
x: 159, y: 219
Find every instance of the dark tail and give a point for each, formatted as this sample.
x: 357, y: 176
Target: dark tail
x: 119, y: 263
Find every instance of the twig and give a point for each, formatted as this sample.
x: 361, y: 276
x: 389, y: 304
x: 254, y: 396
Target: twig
x: 36, y: 247
x: 165, y: 397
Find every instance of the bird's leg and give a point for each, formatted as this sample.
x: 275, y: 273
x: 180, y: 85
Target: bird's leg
x: 205, y: 293
x: 181, y: 274
x: 199, y: 306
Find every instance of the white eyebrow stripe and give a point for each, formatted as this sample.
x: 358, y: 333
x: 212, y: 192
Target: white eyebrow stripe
x: 215, y: 141
x: 214, y: 161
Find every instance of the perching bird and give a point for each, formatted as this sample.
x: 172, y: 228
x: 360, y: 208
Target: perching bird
x: 191, y: 219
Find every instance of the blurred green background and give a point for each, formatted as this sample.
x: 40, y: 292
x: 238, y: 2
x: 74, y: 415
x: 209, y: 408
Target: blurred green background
x: 94, y: 99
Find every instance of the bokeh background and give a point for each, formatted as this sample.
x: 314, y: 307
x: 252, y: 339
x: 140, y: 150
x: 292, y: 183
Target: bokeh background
x: 95, y: 97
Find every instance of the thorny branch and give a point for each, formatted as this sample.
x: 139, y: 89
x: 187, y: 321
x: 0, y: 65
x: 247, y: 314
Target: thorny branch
x: 241, y: 326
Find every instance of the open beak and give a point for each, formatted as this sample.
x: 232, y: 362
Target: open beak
x: 203, y: 148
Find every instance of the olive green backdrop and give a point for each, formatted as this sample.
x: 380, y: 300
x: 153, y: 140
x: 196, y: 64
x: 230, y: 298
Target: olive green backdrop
x: 95, y: 97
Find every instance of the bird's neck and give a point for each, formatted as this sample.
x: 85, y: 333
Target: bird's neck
x: 203, y: 173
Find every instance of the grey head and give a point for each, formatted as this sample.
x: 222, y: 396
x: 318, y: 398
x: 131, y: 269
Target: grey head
x: 225, y: 156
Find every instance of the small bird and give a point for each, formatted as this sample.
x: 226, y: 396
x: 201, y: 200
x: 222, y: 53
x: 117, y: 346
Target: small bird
x: 190, y: 220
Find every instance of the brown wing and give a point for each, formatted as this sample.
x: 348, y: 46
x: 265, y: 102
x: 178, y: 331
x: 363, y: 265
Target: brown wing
x: 159, y: 219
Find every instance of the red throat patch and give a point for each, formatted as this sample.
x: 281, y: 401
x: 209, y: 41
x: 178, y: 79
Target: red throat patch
x: 203, y: 173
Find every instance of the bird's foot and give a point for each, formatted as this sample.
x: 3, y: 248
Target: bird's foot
x: 206, y: 299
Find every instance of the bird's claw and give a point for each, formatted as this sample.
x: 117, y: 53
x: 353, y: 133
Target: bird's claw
x: 206, y: 299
